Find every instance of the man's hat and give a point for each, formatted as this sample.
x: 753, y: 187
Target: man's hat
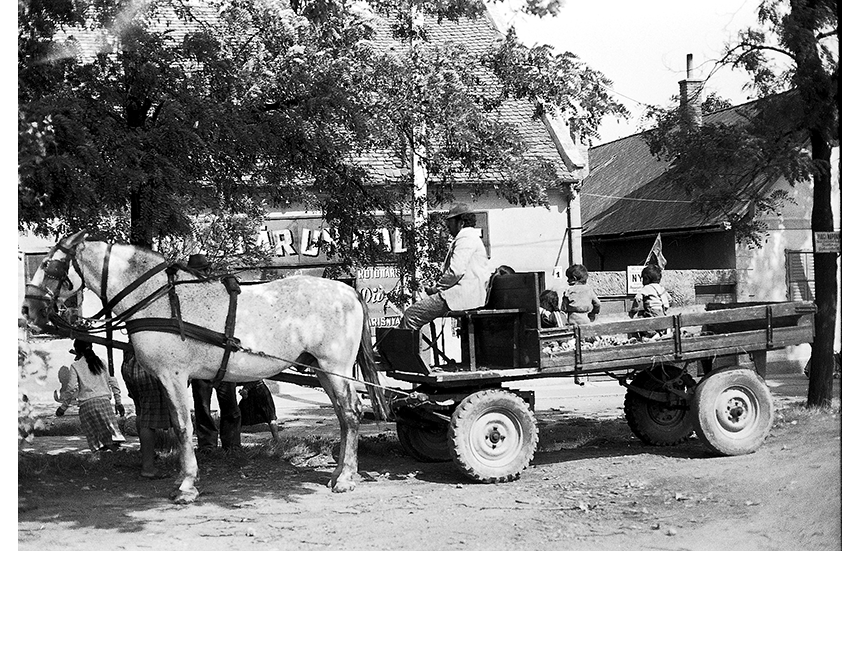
x: 198, y: 262
x: 459, y: 209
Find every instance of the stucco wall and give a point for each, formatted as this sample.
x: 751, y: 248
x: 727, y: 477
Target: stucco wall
x: 680, y: 284
x: 528, y: 238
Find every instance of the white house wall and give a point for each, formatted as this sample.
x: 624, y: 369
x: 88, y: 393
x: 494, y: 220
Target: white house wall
x: 531, y: 238
x: 762, y: 274
x: 762, y: 271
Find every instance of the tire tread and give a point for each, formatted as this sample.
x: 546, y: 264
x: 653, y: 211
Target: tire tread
x: 464, y: 410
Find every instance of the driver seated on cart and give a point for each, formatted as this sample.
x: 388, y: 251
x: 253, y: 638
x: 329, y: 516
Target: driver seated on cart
x: 465, y: 274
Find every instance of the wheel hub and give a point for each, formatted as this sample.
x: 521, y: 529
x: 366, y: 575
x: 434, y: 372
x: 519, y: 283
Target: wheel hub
x: 495, y: 435
x: 737, y: 412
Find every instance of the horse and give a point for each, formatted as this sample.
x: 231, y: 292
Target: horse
x: 298, y: 320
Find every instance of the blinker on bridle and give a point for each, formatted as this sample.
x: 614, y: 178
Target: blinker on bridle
x: 55, y: 269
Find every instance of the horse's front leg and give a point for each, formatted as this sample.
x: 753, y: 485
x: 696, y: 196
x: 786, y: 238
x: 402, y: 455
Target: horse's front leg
x: 347, y: 407
x: 185, y: 490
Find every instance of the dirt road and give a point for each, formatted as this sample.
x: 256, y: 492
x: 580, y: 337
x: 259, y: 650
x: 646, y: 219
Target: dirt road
x: 614, y: 493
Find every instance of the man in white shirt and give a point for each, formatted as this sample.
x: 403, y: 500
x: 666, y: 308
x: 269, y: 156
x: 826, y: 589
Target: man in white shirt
x: 465, y: 275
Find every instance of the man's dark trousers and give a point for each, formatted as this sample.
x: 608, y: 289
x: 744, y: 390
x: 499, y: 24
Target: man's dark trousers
x: 231, y: 419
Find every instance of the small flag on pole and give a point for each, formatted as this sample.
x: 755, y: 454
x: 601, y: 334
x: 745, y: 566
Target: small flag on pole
x: 655, y: 256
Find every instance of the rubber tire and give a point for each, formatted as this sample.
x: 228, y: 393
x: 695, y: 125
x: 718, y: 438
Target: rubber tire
x: 733, y: 410
x: 470, y: 442
x: 649, y: 420
x: 424, y: 443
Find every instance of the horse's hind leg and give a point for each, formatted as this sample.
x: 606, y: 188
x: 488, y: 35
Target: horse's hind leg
x: 347, y: 407
x: 185, y: 491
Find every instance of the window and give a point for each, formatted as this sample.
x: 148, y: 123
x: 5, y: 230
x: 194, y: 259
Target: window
x: 719, y: 293
x: 800, y: 275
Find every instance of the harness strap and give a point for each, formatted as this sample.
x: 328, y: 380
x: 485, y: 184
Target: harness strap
x: 175, y: 325
x: 175, y: 309
x: 109, y: 305
x: 105, y: 306
x: 145, y: 302
x: 192, y: 330
x: 233, y: 290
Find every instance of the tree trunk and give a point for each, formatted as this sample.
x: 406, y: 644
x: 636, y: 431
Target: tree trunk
x: 138, y: 232
x: 826, y: 293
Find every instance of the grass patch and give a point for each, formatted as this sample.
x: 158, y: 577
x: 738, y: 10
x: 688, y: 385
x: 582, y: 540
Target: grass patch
x: 79, y: 464
x: 299, y: 450
x: 798, y: 413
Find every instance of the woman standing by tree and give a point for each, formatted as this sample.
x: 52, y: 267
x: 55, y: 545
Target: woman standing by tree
x: 91, y: 385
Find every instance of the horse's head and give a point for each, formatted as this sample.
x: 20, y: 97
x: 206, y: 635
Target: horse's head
x: 53, y: 281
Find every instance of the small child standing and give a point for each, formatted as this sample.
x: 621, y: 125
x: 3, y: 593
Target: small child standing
x: 93, y: 388
x: 652, y: 300
x: 579, y: 301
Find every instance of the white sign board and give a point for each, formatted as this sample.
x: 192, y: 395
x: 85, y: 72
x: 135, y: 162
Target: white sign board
x: 828, y: 241
x: 634, y: 278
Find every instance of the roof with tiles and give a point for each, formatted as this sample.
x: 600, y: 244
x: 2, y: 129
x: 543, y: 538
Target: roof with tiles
x: 475, y: 35
x: 628, y: 190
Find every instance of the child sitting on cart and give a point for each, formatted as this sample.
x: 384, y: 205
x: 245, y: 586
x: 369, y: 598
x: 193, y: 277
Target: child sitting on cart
x: 579, y: 301
x: 550, y: 315
x: 652, y: 300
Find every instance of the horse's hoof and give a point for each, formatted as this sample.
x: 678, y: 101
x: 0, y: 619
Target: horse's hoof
x: 342, y: 485
x: 184, y: 496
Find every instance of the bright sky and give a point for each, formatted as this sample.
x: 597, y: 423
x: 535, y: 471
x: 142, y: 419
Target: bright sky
x: 642, y: 46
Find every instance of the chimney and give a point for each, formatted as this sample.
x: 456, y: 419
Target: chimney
x: 691, y: 97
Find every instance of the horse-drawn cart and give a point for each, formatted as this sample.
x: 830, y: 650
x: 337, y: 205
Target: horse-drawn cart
x: 461, y: 409
x: 186, y: 326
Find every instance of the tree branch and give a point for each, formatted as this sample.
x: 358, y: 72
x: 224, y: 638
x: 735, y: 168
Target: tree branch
x: 749, y: 48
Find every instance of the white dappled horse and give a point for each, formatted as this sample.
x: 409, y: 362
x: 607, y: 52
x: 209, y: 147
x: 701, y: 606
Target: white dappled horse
x: 299, y: 319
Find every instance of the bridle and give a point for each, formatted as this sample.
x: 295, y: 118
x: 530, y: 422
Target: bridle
x: 56, y: 269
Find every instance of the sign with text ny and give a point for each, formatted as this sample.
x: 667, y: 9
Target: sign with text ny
x: 634, y: 278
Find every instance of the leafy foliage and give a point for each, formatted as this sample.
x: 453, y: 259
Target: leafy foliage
x: 32, y: 366
x: 728, y: 166
x: 794, y: 61
x: 171, y: 122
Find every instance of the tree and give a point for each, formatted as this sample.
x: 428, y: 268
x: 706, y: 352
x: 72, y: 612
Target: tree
x: 195, y: 116
x: 794, y: 62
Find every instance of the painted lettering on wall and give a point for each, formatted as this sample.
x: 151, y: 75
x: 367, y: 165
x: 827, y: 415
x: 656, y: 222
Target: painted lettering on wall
x: 302, y: 241
x: 374, y: 284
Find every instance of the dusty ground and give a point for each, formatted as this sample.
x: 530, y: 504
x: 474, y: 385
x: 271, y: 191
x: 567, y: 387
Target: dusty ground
x: 612, y: 494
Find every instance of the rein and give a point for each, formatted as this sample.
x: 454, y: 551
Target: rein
x: 172, y: 325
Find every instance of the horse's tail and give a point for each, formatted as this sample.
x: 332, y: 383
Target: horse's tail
x: 368, y: 368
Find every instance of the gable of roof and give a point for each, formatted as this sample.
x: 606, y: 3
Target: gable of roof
x: 629, y: 191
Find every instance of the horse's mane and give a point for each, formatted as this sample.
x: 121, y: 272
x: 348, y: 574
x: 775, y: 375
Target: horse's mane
x: 141, y: 248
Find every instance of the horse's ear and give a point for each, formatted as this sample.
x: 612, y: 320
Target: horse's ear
x: 75, y: 239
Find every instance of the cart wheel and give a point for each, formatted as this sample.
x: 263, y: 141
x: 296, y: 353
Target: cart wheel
x: 492, y: 436
x: 655, y: 422
x: 424, y: 442
x: 733, y: 410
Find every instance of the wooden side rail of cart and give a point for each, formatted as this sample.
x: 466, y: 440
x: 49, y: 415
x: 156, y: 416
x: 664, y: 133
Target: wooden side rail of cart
x: 753, y: 328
